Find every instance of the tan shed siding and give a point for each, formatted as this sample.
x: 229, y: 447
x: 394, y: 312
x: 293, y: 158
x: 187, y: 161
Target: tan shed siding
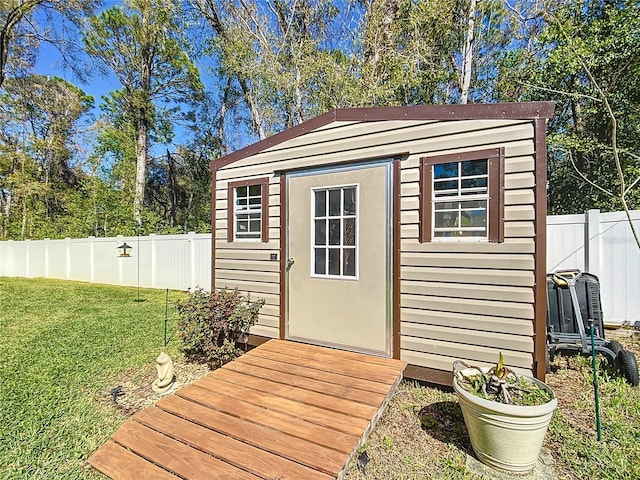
x: 422, y: 138
x: 464, y: 300
x: 247, y: 265
x: 468, y: 337
x: 470, y: 322
x: 471, y: 300
x: 443, y: 361
x: 472, y: 276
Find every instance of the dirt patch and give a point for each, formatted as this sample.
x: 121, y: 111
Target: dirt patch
x: 135, y: 393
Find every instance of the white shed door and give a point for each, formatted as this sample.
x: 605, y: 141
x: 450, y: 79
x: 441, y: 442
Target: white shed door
x: 338, y: 281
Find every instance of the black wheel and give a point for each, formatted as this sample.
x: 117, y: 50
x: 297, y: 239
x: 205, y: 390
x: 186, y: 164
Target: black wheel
x: 614, y: 346
x: 628, y: 367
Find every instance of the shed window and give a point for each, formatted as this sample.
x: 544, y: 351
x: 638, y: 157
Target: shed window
x: 461, y: 197
x: 248, y: 210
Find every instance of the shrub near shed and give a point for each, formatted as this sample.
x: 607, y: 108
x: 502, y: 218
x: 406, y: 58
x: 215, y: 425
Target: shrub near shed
x: 211, y: 324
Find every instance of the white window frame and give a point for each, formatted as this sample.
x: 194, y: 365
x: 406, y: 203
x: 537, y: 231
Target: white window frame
x: 258, y: 211
x: 340, y: 246
x: 495, y: 203
x: 458, y: 196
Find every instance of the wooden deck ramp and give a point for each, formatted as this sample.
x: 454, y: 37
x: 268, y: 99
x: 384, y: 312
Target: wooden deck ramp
x: 282, y: 411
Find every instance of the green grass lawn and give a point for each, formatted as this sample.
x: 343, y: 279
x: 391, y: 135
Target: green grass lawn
x: 62, y: 345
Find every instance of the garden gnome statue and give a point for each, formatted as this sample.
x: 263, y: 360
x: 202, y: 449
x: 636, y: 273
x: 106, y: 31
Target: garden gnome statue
x: 166, y: 377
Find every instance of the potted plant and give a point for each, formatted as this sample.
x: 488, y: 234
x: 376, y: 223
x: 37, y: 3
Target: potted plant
x: 506, y: 414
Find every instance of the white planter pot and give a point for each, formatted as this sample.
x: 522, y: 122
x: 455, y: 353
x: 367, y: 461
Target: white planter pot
x: 507, y: 437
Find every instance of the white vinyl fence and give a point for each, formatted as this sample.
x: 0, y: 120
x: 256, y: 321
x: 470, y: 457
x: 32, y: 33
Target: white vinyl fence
x: 157, y: 261
x: 600, y: 243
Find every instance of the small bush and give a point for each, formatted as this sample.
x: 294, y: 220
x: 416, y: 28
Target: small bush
x: 211, y: 324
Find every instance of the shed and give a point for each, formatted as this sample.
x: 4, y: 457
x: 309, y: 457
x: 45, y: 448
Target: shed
x: 414, y: 232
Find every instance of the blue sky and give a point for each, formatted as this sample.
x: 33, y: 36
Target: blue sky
x: 50, y: 62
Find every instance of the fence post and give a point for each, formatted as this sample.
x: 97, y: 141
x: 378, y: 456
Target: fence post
x: 592, y: 250
x: 119, y: 241
x: 154, y: 258
x: 192, y: 259
x: 67, y: 257
x: 27, y: 258
x: 92, y: 260
x: 46, y: 257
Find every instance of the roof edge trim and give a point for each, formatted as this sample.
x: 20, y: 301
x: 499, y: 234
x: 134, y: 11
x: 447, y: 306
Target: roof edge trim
x: 476, y: 111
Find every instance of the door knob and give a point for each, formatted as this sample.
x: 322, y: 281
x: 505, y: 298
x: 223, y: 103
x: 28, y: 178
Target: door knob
x: 290, y: 262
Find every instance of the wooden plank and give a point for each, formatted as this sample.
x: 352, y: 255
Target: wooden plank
x: 230, y: 450
x: 175, y: 456
x: 312, y: 373
x: 115, y: 461
x: 286, y: 378
x: 320, y: 416
x: 296, y: 427
x: 259, y: 417
x: 301, y: 395
x: 301, y: 451
x: 369, y: 372
x: 322, y: 353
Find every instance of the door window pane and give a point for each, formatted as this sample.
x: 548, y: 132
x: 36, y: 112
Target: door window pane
x: 320, y: 259
x: 349, y: 238
x: 321, y: 203
x: 334, y: 261
x: 334, y: 233
x: 321, y: 232
x: 349, y: 262
x: 334, y: 202
x: 349, y: 201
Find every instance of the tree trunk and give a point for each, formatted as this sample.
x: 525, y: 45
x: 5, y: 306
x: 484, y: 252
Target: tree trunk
x: 467, y: 54
x: 141, y: 167
x: 255, y: 113
x: 5, y: 197
x: 7, y: 30
x: 379, y: 35
x: 173, y: 194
